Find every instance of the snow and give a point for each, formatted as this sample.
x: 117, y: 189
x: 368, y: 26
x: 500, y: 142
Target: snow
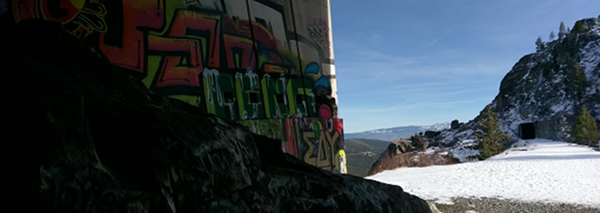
x: 464, y: 149
x: 536, y: 171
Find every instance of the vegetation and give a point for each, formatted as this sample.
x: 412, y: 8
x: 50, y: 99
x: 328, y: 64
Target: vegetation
x: 418, y: 142
x: 491, y: 138
x: 579, y: 27
x: 552, y: 36
x: 562, y: 31
x: 586, y: 128
x: 580, y: 81
x: 539, y: 44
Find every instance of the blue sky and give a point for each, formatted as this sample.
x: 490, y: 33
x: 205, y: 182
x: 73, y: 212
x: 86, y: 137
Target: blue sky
x: 420, y: 62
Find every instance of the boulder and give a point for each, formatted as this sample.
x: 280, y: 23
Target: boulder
x: 87, y: 137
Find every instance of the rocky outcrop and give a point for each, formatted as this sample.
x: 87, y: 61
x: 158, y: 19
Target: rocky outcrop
x: 400, y: 154
x: 540, y: 88
x: 86, y: 137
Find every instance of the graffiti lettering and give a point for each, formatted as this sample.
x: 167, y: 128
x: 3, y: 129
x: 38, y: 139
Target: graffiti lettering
x: 233, y: 59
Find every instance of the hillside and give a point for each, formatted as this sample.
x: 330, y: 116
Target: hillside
x: 361, y: 153
x: 528, y: 173
x: 395, y: 133
x: 540, y: 89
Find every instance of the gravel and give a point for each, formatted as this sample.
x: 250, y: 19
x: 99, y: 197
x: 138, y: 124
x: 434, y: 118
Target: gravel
x: 493, y: 205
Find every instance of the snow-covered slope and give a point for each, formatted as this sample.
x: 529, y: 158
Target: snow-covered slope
x: 395, y: 133
x: 540, y: 87
x: 537, y: 171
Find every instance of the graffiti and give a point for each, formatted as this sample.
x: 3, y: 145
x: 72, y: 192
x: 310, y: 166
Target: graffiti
x: 240, y: 60
x: 306, y: 138
x: 319, y: 32
x: 80, y: 18
x: 340, y: 162
x: 124, y: 43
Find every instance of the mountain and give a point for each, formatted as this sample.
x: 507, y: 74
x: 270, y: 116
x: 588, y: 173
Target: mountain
x: 362, y: 153
x: 394, y: 133
x: 541, y: 89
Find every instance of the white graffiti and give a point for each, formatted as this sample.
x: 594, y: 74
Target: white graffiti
x: 212, y: 76
x: 255, y: 110
x: 231, y: 111
x: 240, y: 77
x: 283, y: 83
x: 312, y: 95
x: 253, y: 78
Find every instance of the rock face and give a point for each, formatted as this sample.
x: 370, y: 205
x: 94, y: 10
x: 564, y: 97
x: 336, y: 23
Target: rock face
x: 540, y: 88
x: 90, y: 138
x: 400, y: 153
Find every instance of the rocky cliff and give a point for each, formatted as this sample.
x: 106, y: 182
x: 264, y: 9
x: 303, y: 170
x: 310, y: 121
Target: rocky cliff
x: 400, y: 154
x: 86, y: 137
x: 540, y: 88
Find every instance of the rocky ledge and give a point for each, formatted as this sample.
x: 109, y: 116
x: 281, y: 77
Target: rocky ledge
x: 87, y: 137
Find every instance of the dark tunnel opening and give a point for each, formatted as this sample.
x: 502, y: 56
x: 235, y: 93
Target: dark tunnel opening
x: 527, y: 131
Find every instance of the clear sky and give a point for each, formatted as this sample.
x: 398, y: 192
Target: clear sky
x: 420, y: 62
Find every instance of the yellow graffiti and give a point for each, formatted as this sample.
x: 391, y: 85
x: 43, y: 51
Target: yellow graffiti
x: 340, y: 162
x: 324, y: 156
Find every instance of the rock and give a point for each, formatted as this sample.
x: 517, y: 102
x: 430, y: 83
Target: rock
x: 400, y: 153
x: 454, y: 124
x: 89, y: 138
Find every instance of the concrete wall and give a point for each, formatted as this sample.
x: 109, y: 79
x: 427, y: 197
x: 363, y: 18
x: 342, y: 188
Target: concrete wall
x: 265, y: 63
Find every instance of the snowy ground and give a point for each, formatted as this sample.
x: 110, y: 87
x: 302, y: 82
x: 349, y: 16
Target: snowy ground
x: 536, y: 171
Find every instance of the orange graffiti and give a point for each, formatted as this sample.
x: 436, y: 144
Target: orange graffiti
x: 126, y: 47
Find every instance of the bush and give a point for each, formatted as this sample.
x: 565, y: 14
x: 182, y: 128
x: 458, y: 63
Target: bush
x: 419, y: 142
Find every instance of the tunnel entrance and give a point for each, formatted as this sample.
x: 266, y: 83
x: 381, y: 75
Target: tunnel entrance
x: 527, y: 131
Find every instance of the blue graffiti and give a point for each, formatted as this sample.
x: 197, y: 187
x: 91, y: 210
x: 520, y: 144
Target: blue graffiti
x: 323, y: 82
x: 312, y: 68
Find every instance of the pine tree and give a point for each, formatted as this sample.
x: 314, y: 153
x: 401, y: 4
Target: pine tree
x: 586, y: 128
x: 491, y: 138
x: 579, y: 81
x: 539, y: 44
x: 562, y: 31
x: 552, y: 36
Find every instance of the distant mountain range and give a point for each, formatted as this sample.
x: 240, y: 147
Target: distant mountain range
x: 394, y: 133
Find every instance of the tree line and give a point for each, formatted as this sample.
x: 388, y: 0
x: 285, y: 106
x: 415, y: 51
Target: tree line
x: 492, y: 140
x: 562, y: 33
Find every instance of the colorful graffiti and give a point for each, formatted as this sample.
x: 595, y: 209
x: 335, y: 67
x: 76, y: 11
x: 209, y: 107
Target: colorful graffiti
x: 310, y: 139
x: 242, y: 60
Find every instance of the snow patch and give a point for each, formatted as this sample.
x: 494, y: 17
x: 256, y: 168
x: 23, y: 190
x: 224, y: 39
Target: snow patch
x: 545, y: 171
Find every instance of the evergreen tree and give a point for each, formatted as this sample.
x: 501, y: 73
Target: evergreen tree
x: 586, y: 128
x: 539, y: 44
x: 579, y: 81
x: 579, y: 27
x: 491, y: 138
x: 552, y: 36
x: 562, y: 31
